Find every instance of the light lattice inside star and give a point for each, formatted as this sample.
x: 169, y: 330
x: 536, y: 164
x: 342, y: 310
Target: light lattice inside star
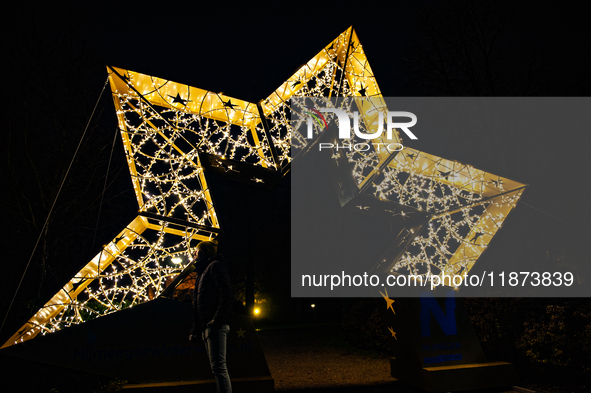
x: 467, y: 207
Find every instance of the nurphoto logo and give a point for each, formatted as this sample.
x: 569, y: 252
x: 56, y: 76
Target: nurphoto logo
x: 344, y: 124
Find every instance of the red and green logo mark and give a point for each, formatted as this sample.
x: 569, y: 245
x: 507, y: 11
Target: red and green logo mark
x: 317, y: 116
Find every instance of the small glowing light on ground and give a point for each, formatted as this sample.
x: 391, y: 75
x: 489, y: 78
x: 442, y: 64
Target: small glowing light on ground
x: 312, y: 305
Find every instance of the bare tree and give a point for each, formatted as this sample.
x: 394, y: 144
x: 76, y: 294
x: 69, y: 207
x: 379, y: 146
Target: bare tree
x: 54, y: 80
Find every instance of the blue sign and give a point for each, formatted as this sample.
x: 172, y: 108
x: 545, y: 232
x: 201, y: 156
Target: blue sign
x: 446, y: 319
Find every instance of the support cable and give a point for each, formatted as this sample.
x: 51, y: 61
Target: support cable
x: 543, y: 212
x: 104, y: 188
x: 53, y: 205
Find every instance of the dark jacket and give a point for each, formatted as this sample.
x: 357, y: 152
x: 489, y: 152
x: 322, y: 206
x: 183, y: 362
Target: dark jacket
x: 212, y: 298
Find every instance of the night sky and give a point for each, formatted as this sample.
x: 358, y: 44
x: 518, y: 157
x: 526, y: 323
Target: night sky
x: 246, y: 51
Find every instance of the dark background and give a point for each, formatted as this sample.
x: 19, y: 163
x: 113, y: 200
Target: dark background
x: 53, y: 69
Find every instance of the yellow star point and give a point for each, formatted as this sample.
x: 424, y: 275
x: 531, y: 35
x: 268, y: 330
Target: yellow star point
x: 389, y: 301
x: 241, y: 333
x: 393, y: 332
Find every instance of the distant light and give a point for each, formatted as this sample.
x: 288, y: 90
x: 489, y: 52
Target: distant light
x: 176, y: 260
x: 312, y: 305
x: 257, y: 311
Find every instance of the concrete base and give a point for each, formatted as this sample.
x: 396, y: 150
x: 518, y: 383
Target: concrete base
x: 239, y: 385
x: 456, y: 378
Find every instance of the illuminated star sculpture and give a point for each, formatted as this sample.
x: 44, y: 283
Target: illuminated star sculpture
x: 172, y: 133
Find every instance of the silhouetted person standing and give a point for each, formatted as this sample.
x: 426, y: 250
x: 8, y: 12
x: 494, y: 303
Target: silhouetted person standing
x: 212, y: 302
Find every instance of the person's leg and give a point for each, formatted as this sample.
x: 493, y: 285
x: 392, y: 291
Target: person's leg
x: 215, y: 344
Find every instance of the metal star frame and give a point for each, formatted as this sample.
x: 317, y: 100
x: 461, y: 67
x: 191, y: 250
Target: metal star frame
x: 172, y: 133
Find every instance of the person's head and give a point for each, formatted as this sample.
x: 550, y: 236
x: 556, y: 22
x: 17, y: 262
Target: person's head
x: 205, y: 249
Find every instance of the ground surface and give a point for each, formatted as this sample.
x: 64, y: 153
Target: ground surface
x: 304, y: 359
x: 317, y: 359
